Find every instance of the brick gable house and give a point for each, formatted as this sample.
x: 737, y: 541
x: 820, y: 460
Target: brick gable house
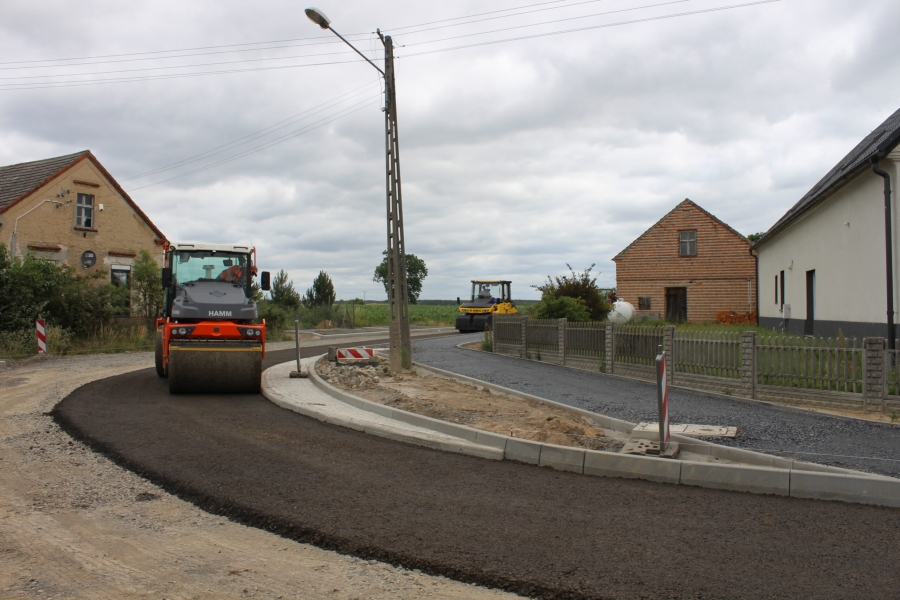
x: 689, y: 266
x: 70, y: 210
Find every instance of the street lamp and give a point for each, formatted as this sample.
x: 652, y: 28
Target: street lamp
x: 398, y: 303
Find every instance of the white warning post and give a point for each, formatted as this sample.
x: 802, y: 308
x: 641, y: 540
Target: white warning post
x: 662, y: 400
x: 41, y: 336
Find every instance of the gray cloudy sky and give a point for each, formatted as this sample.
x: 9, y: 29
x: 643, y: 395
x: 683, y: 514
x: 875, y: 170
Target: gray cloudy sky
x: 517, y: 157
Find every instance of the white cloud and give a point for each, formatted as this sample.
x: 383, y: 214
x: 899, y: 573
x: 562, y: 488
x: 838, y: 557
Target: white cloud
x: 517, y: 157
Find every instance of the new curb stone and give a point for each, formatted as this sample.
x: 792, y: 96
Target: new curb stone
x: 758, y: 480
x: 632, y: 467
x: 764, y: 477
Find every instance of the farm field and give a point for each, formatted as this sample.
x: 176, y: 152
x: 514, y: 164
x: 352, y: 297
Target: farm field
x: 373, y: 315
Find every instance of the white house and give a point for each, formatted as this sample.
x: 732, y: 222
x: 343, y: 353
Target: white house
x: 825, y: 266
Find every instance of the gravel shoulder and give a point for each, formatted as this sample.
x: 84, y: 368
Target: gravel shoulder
x: 75, y: 525
x: 810, y: 436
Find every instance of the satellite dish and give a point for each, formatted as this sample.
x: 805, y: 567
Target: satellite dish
x: 621, y: 313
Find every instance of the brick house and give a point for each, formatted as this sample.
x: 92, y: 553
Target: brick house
x: 70, y: 210
x: 689, y: 266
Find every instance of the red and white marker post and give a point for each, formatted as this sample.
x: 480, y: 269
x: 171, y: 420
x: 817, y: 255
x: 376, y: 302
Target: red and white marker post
x: 662, y: 400
x: 41, y: 336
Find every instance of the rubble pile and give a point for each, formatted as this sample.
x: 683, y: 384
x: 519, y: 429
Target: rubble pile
x: 359, y: 376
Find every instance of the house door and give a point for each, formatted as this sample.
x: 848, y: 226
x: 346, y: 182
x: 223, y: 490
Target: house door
x: 808, y: 325
x: 676, y: 304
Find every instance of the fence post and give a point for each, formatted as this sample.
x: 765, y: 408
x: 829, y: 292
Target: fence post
x: 524, y: 338
x: 561, y: 343
x: 873, y: 387
x: 669, y: 347
x: 609, y: 352
x: 748, y: 363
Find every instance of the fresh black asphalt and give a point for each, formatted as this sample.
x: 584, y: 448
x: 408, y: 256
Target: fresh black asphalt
x: 803, y: 435
x: 518, y: 527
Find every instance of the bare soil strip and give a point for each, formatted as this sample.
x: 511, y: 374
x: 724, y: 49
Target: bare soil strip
x: 470, y: 405
x: 534, y: 531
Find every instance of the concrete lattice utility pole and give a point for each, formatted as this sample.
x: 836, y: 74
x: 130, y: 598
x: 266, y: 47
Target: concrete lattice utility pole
x: 398, y: 299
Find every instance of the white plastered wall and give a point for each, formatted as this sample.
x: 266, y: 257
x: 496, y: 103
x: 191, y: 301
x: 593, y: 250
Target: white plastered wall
x: 843, y: 240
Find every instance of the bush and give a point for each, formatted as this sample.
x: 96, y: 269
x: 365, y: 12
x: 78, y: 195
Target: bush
x: 31, y: 287
x: 581, y: 286
x: 561, y: 307
x: 23, y: 343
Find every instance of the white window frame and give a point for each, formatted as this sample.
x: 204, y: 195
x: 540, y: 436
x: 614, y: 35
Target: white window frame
x: 84, y: 211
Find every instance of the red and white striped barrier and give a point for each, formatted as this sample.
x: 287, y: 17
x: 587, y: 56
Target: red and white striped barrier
x: 351, y: 353
x: 42, y: 336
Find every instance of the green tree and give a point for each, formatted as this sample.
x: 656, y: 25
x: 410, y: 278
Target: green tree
x: 581, y: 286
x: 147, y: 294
x: 416, y: 272
x: 322, y: 291
x: 754, y: 237
x: 283, y: 293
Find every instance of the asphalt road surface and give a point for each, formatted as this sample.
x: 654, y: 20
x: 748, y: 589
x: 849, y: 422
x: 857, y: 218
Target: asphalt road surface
x: 526, y: 529
x: 804, y: 435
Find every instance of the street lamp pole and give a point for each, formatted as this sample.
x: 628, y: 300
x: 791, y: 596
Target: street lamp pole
x: 398, y: 299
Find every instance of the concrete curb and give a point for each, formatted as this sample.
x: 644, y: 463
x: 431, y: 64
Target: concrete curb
x: 777, y: 476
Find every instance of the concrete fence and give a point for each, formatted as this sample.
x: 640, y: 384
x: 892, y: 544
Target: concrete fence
x: 840, y: 373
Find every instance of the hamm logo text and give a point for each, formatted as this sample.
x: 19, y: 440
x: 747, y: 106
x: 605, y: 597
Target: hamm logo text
x: 220, y: 313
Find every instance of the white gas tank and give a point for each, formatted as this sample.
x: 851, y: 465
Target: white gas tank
x: 621, y: 313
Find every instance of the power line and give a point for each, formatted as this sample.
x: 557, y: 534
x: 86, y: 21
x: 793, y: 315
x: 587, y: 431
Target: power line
x: 575, y: 30
x: 313, y: 126
x: 257, y: 134
x: 325, y: 39
x: 600, y: 14
x: 212, y: 64
x: 325, y: 42
x: 527, y: 12
x: 46, y: 84
x: 51, y: 84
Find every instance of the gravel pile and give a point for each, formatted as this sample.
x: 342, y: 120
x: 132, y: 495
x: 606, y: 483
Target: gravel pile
x: 356, y: 376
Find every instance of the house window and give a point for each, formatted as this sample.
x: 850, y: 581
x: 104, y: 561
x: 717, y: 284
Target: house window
x: 776, y: 289
x: 119, y: 275
x: 643, y: 303
x: 84, y: 211
x: 687, y: 242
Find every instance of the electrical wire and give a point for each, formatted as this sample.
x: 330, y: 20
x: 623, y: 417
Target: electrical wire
x: 257, y: 134
x: 327, y: 41
x: 46, y: 84
x: 588, y: 28
x: 316, y: 40
x: 51, y: 84
x: 306, y: 129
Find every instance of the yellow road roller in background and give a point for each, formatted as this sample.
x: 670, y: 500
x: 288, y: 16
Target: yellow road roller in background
x: 489, y: 297
x: 206, y: 340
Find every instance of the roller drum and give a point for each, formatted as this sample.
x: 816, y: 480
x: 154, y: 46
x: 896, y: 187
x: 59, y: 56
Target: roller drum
x: 158, y: 358
x: 215, y: 369
x: 466, y: 323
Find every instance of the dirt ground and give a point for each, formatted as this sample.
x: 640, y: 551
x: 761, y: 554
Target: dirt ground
x: 74, y: 525
x: 471, y: 405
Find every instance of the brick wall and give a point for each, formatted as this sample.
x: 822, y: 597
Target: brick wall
x: 721, y: 277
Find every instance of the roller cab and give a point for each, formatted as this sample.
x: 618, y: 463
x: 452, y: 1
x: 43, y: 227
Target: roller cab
x: 207, y: 340
x: 489, y: 297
